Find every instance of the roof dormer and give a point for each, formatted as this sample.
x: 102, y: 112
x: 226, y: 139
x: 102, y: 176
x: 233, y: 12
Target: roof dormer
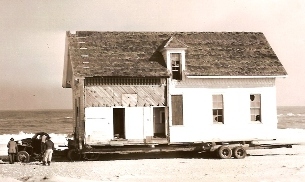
x: 174, y: 55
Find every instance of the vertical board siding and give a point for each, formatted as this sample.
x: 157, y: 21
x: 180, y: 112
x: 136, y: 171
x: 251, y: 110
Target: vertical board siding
x: 177, y: 109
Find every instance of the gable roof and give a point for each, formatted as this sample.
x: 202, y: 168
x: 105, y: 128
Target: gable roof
x: 174, y: 43
x: 137, y: 54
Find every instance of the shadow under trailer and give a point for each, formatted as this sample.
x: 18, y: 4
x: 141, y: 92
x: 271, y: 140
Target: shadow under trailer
x: 30, y: 148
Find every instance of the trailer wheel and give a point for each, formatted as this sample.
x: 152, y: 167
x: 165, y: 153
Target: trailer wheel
x: 224, y: 152
x: 23, y: 156
x: 91, y: 156
x: 239, y: 152
x: 74, y: 155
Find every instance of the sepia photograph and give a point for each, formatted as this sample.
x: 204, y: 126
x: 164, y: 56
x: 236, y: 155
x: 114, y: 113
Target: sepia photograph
x: 143, y: 90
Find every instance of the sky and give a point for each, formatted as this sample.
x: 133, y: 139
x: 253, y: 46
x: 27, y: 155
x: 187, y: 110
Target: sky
x: 32, y: 39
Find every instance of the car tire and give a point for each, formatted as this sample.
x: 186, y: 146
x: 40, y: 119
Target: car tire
x: 224, y: 152
x: 239, y: 152
x: 23, y: 157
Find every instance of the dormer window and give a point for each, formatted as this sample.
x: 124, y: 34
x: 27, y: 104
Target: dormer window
x: 176, y: 66
x: 174, y: 55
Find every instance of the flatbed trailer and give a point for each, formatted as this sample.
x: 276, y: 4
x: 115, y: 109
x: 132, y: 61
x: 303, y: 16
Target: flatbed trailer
x: 223, y: 149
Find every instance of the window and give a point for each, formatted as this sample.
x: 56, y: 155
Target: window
x: 218, y: 109
x: 176, y: 66
x: 177, y: 110
x: 255, y: 107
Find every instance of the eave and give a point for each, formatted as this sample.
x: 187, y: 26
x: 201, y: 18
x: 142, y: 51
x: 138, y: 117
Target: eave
x: 278, y: 76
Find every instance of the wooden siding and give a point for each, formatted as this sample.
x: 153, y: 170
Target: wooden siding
x: 198, y: 116
x: 132, y: 96
x: 78, y: 107
x: 224, y: 83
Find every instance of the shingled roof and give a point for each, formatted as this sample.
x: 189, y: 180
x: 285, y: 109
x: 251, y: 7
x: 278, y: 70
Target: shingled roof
x: 137, y: 54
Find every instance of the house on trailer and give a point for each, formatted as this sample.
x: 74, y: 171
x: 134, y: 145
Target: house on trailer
x: 171, y: 87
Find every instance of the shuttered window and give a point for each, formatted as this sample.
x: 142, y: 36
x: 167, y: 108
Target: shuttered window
x: 177, y: 110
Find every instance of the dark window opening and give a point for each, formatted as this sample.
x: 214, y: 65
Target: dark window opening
x: 176, y: 66
x: 255, y: 107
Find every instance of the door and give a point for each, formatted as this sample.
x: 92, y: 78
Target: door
x: 98, y: 125
x: 119, y: 123
x: 159, y: 122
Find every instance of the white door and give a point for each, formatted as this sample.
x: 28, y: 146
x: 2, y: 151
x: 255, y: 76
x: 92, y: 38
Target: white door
x: 134, y: 123
x: 98, y: 125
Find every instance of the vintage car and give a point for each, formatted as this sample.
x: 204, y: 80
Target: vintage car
x: 31, y: 148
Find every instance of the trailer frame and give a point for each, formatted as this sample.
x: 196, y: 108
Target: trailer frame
x: 222, y: 149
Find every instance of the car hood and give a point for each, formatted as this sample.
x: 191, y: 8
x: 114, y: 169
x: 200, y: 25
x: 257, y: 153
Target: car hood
x: 26, y: 141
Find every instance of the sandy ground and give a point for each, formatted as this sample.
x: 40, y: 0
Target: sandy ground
x: 284, y: 164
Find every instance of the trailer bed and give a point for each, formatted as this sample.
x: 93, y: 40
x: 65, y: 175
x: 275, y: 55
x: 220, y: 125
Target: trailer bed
x: 223, y: 149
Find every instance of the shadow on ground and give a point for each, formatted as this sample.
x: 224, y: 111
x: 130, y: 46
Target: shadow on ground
x: 140, y: 156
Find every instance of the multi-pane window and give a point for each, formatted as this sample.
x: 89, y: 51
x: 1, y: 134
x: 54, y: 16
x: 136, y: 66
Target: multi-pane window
x: 255, y: 107
x: 218, y: 109
x: 176, y: 66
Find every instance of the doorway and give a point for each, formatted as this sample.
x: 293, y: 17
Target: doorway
x: 159, y: 122
x: 119, y: 123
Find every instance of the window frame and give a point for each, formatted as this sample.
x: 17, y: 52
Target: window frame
x: 176, y: 76
x: 218, y: 109
x: 255, y: 108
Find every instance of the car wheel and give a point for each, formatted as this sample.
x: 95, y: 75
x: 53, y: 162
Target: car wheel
x: 23, y: 156
x: 91, y: 156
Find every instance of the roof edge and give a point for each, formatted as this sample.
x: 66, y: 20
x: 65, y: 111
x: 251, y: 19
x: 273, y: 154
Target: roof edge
x: 279, y: 76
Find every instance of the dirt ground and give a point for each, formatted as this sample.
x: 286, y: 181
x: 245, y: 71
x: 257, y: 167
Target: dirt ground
x: 260, y: 165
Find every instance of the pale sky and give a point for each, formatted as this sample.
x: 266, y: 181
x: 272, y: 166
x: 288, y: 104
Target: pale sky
x: 32, y: 38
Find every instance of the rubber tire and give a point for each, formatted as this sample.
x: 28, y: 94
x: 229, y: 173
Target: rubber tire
x: 74, y: 155
x: 91, y: 156
x: 23, y: 157
x: 239, y: 152
x: 224, y: 152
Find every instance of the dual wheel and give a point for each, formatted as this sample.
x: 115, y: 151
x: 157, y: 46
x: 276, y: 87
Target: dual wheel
x: 225, y: 152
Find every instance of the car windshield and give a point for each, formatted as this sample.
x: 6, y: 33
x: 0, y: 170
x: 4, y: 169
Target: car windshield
x: 39, y: 135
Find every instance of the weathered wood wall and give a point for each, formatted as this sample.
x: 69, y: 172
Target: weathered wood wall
x: 127, y: 96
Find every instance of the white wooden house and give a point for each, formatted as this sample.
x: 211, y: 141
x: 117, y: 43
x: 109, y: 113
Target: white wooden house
x: 171, y: 87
